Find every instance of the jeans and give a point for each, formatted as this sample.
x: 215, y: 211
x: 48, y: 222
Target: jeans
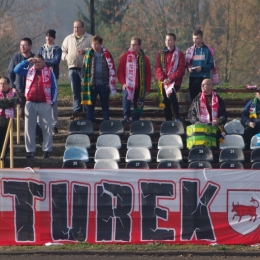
x: 103, y: 92
x: 127, y: 105
x: 75, y: 82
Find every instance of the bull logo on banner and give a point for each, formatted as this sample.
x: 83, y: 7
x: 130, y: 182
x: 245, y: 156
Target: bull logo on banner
x: 243, y: 211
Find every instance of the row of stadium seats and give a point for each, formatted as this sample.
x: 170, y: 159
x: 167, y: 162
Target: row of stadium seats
x: 110, y: 164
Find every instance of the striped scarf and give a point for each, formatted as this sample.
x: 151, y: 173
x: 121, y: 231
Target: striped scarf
x: 204, y: 114
x: 252, y: 109
x: 131, y: 63
x: 173, y: 67
x: 86, y: 91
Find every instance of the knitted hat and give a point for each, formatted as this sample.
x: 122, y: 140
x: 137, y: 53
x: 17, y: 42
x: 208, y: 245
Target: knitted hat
x: 51, y: 33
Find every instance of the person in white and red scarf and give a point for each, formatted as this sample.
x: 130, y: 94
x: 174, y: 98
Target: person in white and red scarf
x: 8, y: 100
x: 41, y: 94
x: 169, y: 71
x: 207, y: 106
x: 134, y: 74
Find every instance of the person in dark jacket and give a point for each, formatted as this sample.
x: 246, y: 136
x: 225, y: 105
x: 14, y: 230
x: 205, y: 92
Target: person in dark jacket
x: 99, y: 78
x: 207, y: 106
x: 250, y: 118
x: 17, y: 82
x: 51, y: 52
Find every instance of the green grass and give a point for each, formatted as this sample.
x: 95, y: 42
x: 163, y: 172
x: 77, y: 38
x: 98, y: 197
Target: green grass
x: 65, y: 93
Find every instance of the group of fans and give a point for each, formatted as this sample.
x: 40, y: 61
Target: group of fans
x: 31, y: 83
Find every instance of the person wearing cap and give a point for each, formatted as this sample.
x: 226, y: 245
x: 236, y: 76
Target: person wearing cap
x: 73, y: 50
x: 250, y: 118
x: 51, y: 52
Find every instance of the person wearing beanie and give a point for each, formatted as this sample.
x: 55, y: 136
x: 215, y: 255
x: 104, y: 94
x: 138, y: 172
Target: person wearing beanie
x: 51, y: 52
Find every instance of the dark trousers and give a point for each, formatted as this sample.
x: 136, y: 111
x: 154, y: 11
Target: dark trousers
x: 171, y: 110
x: 103, y: 92
x: 249, y: 133
x: 195, y: 87
x: 21, y: 105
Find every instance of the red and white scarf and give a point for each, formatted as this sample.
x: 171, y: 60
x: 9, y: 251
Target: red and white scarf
x: 9, y: 112
x: 131, y: 63
x: 173, y: 67
x: 189, y: 55
x: 204, y: 114
x: 112, y: 71
x: 46, y: 82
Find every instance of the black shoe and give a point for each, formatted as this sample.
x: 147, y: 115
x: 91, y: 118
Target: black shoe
x: 55, y: 130
x: 29, y: 155
x: 46, y: 154
x: 126, y: 121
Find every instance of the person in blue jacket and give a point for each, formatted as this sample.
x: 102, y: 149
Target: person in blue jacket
x: 199, y: 63
x: 40, y: 94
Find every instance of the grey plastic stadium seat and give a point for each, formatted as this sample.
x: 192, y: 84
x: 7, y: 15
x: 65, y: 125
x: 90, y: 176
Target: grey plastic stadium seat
x: 169, y: 153
x: 168, y: 165
x: 200, y: 154
x: 137, y: 165
x: 111, y: 127
x: 233, y: 141
x: 255, y: 155
x: 172, y: 127
x: 106, y: 164
x: 200, y: 165
x: 231, y: 154
x: 255, y: 165
x: 81, y: 126
x: 231, y: 165
x: 74, y: 164
x: 142, y: 127
x: 77, y: 140
x: 107, y: 153
x: 139, y: 140
x: 76, y: 153
x: 138, y: 153
x: 253, y: 143
x: 170, y: 140
x: 109, y: 140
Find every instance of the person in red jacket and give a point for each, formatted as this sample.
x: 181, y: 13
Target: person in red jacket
x: 134, y: 74
x: 169, y: 71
